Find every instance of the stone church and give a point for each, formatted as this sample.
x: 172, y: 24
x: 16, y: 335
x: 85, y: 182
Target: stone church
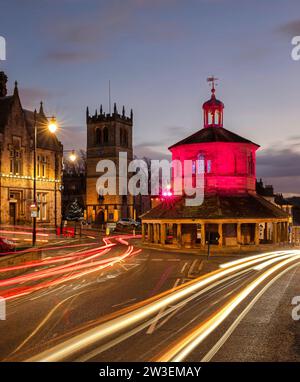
x: 108, y: 134
x: 16, y: 163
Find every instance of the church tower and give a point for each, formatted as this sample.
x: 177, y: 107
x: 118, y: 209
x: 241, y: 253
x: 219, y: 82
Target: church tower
x: 107, y: 136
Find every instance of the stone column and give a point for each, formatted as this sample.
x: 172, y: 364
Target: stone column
x: 220, y: 232
x: 179, y: 242
x: 163, y: 233
x: 150, y: 232
x: 203, y: 235
x: 239, y: 233
x: 274, y: 233
x: 256, y: 237
x: 155, y: 235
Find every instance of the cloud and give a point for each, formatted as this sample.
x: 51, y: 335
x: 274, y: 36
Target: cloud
x: 31, y: 97
x: 68, y: 56
x: 150, y: 150
x: 291, y: 28
x: 99, y: 31
x: 283, y: 163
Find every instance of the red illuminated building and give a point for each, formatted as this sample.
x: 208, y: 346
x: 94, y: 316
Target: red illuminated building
x: 232, y: 214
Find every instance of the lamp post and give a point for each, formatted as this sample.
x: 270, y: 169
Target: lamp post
x: 52, y: 126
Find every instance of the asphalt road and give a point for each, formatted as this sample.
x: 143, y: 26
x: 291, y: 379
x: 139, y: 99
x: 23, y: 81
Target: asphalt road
x: 46, y: 316
x: 117, y: 303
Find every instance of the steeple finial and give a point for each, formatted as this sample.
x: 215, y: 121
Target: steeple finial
x: 101, y: 110
x: 115, y: 109
x: 131, y: 114
x: 16, y: 91
x: 87, y: 113
x: 123, y: 111
x: 41, y: 111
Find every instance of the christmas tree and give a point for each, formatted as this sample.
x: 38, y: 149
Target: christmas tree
x: 74, y: 212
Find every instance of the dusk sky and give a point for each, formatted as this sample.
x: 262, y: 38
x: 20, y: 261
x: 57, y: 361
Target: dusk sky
x: 158, y: 54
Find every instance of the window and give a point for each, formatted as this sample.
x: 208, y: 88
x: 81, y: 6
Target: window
x: 105, y: 134
x: 123, y: 138
x: 15, y: 164
x: 208, y: 166
x: 98, y: 136
x: 42, y: 206
x: 41, y: 166
x: 201, y: 164
x: 250, y: 164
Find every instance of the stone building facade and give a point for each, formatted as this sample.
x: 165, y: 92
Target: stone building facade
x: 16, y: 163
x: 232, y: 213
x: 107, y: 136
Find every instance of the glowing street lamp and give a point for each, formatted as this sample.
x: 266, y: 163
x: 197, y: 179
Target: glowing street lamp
x: 52, y: 126
x: 73, y: 156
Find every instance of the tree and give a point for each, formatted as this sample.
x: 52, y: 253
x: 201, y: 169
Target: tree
x: 74, y: 212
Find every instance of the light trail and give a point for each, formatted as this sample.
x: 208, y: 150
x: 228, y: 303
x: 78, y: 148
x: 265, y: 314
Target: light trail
x: 19, y: 292
x: 54, y: 260
x: 51, y: 271
x: 140, y: 312
x: 187, y: 344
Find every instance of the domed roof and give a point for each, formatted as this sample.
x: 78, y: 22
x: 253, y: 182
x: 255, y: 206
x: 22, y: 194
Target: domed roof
x: 213, y: 102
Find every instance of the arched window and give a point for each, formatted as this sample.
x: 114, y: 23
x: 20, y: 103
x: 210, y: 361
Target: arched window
x: 98, y: 136
x: 121, y: 137
x: 201, y: 164
x: 125, y: 136
x: 105, y: 134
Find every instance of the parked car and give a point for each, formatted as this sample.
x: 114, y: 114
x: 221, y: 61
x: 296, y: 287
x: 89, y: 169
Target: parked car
x: 6, y: 245
x: 127, y: 222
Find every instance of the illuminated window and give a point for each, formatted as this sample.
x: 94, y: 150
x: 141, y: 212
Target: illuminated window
x: 42, y: 206
x: 15, y: 161
x: 208, y: 166
x: 201, y: 164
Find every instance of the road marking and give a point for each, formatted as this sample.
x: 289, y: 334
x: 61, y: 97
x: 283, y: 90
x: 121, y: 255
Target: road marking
x: 184, y: 266
x: 152, y: 327
x: 192, y: 268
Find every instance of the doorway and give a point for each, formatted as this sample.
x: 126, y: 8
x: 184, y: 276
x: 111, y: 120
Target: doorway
x: 12, y: 213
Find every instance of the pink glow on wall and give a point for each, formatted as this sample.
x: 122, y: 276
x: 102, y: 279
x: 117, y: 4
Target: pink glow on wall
x: 229, y: 167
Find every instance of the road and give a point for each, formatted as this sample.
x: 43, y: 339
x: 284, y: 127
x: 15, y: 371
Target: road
x: 111, y: 301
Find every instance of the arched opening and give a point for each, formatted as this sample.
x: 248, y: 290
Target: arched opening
x: 105, y: 134
x: 98, y: 136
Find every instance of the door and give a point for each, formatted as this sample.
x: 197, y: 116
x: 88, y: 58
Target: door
x: 12, y: 213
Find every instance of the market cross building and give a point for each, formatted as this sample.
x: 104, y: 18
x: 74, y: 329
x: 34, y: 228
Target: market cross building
x: 232, y: 213
x: 16, y: 163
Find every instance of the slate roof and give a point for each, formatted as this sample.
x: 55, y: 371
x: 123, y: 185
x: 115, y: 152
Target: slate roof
x: 213, y: 134
x: 217, y: 207
x: 45, y: 140
x: 5, y: 105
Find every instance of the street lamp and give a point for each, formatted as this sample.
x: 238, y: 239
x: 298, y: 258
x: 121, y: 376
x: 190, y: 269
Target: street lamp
x: 52, y: 127
x: 72, y: 156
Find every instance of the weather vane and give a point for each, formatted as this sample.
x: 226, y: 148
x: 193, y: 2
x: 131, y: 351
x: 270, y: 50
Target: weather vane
x: 212, y: 80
